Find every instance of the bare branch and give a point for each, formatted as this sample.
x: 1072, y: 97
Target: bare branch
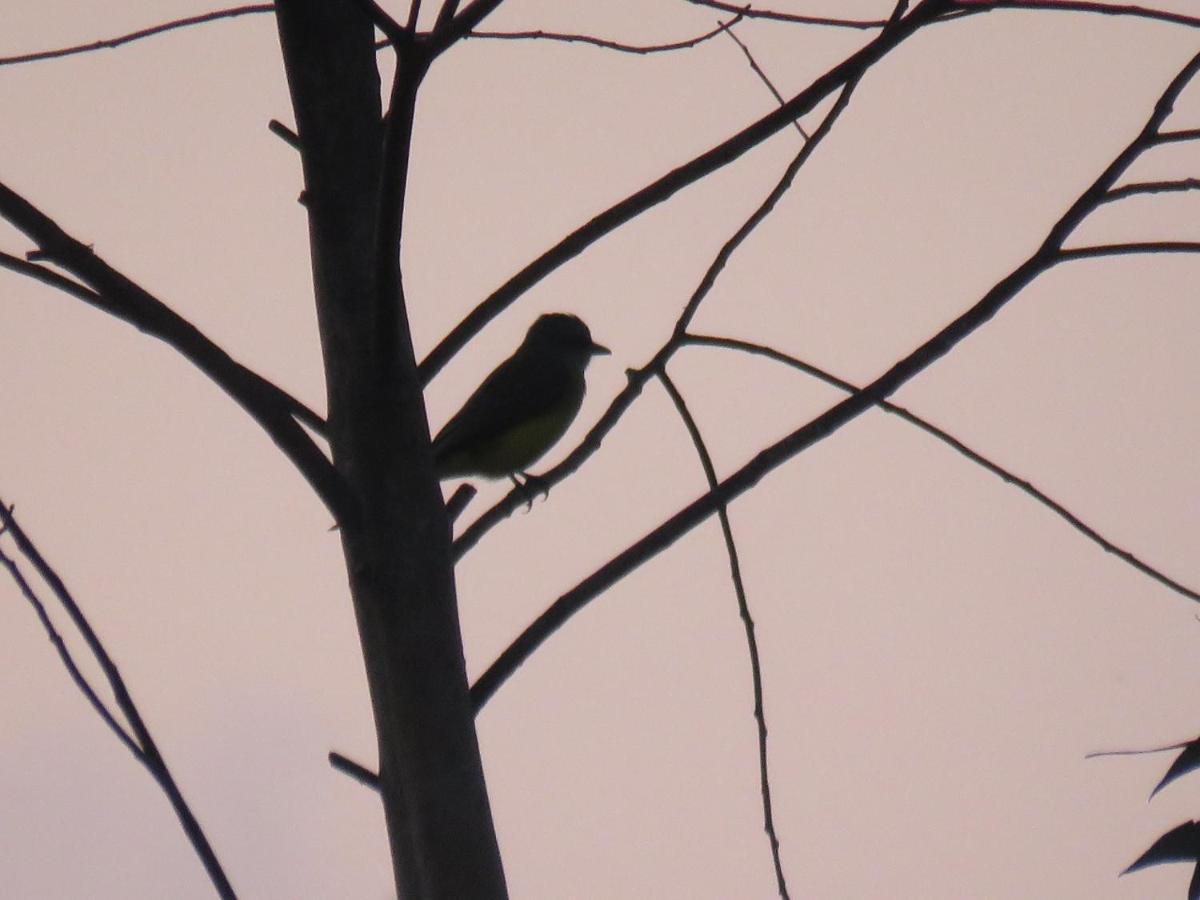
x: 109, y: 43
x: 637, y: 378
x: 639, y: 49
x: 414, y: 13
x: 762, y: 76
x: 954, y: 443
x: 357, y: 771
x: 1151, y: 187
x: 448, y: 30
x: 145, y: 749
x: 739, y: 589
x: 1129, y: 249
x: 284, y: 133
x: 750, y: 12
x: 666, y: 186
x: 64, y: 653
x: 119, y: 296
x: 380, y: 18
x: 445, y: 15
x: 1101, y: 8
x: 1098, y: 754
x: 1173, y: 137
x: 663, y: 536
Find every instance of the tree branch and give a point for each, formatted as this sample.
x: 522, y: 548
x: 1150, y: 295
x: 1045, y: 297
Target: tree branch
x: 117, y: 295
x: 663, y: 536
x: 1174, y: 137
x: 739, y: 589
x: 954, y: 443
x: 109, y: 43
x: 751, y: 12
x: 142, y: 745
x: 1151, y: 187
x: 638, y: 377
x: 1106, y: 9
x: 1129, y: 249
x: 638, y: 49
x: 666, y: 186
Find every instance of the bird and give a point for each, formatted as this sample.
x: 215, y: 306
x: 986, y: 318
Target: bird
x: 522, y: 409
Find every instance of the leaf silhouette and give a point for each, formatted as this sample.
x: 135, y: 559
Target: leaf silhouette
x: 1180, y: 844
x: 1186, y: 761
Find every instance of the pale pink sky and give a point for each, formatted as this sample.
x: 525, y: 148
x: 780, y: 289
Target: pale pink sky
x: 939, y: 652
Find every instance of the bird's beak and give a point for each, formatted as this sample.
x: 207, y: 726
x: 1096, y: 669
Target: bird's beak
x: 600, y: 350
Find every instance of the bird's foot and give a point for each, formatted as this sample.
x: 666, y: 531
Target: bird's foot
x: 531, y: 487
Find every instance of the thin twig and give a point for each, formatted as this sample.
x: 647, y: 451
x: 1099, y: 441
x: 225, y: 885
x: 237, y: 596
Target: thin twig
x: 663, y: 536
x: 638, y: 49
x: 358, y: 772
x: 1097, y: 754
x: 284, y: 133
x: 1174, y: 137
x: 762, y: 76
x: 638, y: 377
x: 1104, y: 9
x: 666, y: 186
x: 1132, y: 248
x: 954, y: 443
x: 446, y: 31
x: 739, y: 589
x: 147, y: 751
x: 109, y: 43
x: 68, y: 661
x: 750, y: 12
x: 1151, y: 187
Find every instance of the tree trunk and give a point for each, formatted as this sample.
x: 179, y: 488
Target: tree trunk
x: 397, y: 539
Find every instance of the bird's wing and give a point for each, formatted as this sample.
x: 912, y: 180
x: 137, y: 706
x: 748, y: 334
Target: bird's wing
x: 518, y: 390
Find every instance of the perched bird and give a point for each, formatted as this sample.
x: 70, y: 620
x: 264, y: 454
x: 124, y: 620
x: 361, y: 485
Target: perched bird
x: 523, y: 408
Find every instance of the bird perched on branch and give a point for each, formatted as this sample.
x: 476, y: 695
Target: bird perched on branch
x: 523, y: 408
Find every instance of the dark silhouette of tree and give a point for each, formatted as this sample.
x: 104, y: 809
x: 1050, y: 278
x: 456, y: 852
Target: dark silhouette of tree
x: 376, y: 478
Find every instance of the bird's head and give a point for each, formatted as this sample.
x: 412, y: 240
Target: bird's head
x: 566, y: 337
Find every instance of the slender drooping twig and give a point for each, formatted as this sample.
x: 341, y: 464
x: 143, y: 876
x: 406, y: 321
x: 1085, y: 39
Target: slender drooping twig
x: 141, y: 744
x: 739, y: 589
x: 1099, y: 7
x: 660, y: 538
x: 604, y: 43
x: 954, y: 443
x: 109, y: 43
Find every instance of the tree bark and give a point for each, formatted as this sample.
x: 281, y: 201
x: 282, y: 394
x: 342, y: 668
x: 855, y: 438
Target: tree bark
x: 396, y: 540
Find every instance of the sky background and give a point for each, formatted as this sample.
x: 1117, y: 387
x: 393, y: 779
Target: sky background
x: 939, y: 652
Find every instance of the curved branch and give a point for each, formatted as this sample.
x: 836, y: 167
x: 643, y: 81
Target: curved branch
x: 638, y: 49
x: 1131, y: 248
x: 110, y: 43
x: 660, y: 190
x: 1151, y: 187
x: 954, y: 443
x: 638, y: 377
x: 739, y: 589
x: 663, y: 536
x: 772, y: 15
x: 119, y: 296
x: 1104, y: 9
x: 146, y: 752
